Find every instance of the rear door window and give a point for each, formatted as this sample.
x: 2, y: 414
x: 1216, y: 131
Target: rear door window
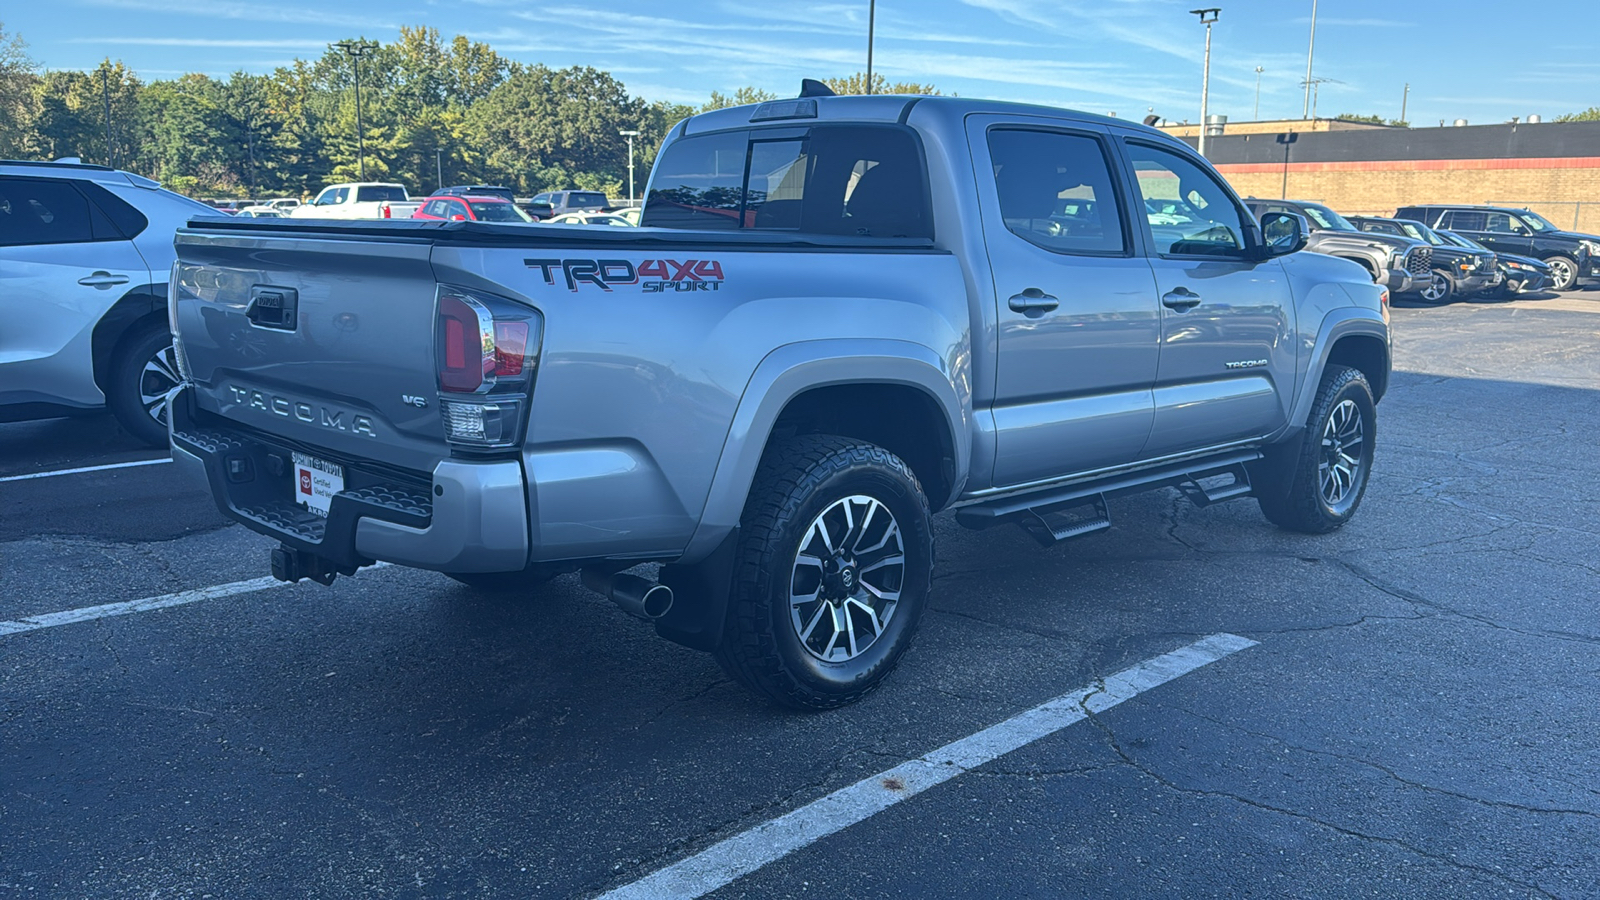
x: 38, y: 211
x: 1055, y: 191
x: 1465, y: 221
x: 831, y: 179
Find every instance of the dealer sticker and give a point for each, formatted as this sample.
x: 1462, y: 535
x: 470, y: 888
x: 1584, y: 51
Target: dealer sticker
x: 315, y: 482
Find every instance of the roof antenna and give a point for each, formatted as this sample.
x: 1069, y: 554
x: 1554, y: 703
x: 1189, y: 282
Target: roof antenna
x: 810, y: 87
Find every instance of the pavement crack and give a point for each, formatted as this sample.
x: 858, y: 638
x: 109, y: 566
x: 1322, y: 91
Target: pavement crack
x: 1346, y: 831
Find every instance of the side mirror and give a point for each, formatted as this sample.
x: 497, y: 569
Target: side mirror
x: 457, y: 217
x: 1283, y: 233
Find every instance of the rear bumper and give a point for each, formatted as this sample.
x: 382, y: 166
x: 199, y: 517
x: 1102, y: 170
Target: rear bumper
x: 469, y: 516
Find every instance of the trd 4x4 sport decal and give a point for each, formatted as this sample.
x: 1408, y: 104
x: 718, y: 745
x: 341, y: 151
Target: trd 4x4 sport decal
x: 654, y: 276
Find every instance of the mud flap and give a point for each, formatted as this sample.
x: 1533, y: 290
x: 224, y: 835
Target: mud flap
x: 700, y: 610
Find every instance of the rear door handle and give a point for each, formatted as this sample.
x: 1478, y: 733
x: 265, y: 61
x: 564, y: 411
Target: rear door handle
x: 103, y: 280
x: 1180, y: 299
x: 1033, y: 303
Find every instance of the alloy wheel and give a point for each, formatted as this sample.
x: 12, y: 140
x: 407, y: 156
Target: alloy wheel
x: 847, y: 576
x: 159, y: 376
x: 1560, y: 271
x: 1341, y: 468
x: 1436, y: 289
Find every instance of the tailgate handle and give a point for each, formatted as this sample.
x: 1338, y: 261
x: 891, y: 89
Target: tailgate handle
x: 275, y: 308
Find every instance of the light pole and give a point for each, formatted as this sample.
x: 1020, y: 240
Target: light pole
x: 438, y: 165
x: 1310, y: 52
x: 1207, y: 17
x: 1404, y: 99
x: 355, y: 50
x: 1256, y: 116
x: 872, y: 18
x: 630, y: 135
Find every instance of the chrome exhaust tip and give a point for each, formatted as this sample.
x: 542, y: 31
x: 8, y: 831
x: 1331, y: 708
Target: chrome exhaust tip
x: 636, y: 596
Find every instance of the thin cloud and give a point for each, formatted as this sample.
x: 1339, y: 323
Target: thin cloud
x: 204, y: 42
x: 256, y: 12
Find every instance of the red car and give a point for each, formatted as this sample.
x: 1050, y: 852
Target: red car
x: 470, y: 208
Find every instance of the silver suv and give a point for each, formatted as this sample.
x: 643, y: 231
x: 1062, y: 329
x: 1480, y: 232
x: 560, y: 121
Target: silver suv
x: 85, y: 252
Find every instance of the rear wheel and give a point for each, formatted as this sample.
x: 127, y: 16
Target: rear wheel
x: 833, y: 572
x: 1563, y: 273
x: 143, y: 370
x: 1328, y: 477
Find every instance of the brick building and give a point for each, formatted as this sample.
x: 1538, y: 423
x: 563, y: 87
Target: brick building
x: 1551, y: 168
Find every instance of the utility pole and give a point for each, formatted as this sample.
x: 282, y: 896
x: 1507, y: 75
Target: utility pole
x: 1207, y: 17
x: 872, y: 18
x: 630, y: 135
x: 105, y: 91
x: 356, y: 50
x: 1404, y: 99
x: 1310, y: 52
x: 1256, y: 116
x: 438, y: 165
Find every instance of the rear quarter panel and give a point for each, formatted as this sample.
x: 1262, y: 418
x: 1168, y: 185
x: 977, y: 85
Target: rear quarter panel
x: 641, y: 380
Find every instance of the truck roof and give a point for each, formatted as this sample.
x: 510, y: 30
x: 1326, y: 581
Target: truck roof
x: 895, y: 108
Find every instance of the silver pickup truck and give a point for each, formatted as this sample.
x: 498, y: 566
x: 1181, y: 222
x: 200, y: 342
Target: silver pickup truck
x: 843, y: 315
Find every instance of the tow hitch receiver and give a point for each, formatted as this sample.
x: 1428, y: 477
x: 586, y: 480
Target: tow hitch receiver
x: 291, y: 565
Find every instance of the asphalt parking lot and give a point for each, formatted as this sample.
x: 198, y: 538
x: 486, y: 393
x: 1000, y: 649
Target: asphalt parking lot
x: 1416, y: 718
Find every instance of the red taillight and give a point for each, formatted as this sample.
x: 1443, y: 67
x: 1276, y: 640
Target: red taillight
x: 464, y: 330
x: 510, y: 345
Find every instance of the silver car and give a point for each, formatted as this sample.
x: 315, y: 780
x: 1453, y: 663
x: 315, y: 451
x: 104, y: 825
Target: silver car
x: 85, y: 252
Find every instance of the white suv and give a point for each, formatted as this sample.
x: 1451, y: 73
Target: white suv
x: 85, y: 253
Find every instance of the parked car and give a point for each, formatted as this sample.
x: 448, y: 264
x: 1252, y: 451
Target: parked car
x: 632, y: 214
x: 1519, y: 274
x: 1573, y: 258
x: 589, y: 219
x: 231, y: 207
x: 283, y: 203
x: 85, y: 253
x: 1402, y: 264
x: 1456, y: 270
x: 368, y: 200
x: 261, y: 212
x: 471, y: 208
x: 461, y: 190
x: 775, y: 405
x: 562, y: 202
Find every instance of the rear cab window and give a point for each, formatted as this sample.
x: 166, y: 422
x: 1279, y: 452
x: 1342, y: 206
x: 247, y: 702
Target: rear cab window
x: 369, y: 193
x: 864, y: 180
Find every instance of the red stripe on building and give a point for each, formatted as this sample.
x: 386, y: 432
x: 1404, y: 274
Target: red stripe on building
x: 1412, y: 165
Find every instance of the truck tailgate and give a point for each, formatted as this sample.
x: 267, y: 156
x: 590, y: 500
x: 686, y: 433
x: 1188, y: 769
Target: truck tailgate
x: 322, y: 340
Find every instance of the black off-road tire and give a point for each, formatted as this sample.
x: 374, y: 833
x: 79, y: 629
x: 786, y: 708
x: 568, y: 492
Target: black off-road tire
x: 799, y: 479
x: 1563, y: 273
x: 1296, y: 501
x: 138, y: 348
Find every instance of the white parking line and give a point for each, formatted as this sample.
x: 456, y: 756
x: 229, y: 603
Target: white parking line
x: 744, y: 853
x: 120, y: 465
x: 165, y: 601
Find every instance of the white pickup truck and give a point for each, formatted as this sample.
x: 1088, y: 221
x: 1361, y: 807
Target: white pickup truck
x: 364, y: 200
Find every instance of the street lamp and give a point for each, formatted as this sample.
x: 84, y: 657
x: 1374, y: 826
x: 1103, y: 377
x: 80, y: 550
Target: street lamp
x: 1256, y: 117
x: 356, y: 50
x: 630, y: 135
x: 438, y: 164
x: 872, y: 18
x: 1310, y: 51
x: 1207, y: 17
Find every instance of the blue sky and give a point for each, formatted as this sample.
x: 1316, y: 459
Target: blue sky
x: 1122, y: 56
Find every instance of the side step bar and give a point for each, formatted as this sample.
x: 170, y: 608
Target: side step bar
x: 1044, y: 513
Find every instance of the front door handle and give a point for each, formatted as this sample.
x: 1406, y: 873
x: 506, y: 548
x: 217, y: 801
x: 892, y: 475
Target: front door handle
x: 1180, y: 299
x: 1033, y: 303
x: 103, y: 280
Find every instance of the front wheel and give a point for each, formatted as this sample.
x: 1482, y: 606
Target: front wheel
x: 834, y: 568
x: 1439, y: 289
x: 1329, y: 476
x: 1563, y: 273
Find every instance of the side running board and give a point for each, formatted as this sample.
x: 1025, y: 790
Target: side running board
x: 1051, y: 515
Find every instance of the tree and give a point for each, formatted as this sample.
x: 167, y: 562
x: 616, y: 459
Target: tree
x: 742, y: 97
x: 1373, y: 120
x: 76, y: 110
x: 857, y: 84
x: 18, y: 93
x: 1592, y: 114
